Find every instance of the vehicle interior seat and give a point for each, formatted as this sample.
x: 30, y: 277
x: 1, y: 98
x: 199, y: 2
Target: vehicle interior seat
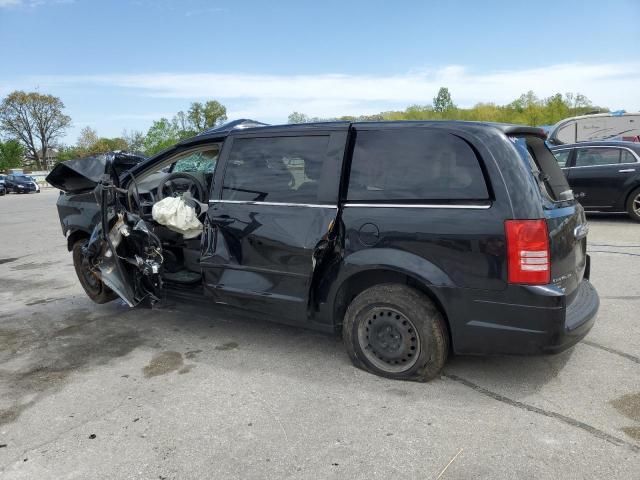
x: 312, y: 171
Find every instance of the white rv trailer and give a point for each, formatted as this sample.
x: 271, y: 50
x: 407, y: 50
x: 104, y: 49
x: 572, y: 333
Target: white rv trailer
x: 599, y: 126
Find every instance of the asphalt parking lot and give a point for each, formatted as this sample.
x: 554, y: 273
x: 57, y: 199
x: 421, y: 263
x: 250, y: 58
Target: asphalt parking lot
x: 103, y: 391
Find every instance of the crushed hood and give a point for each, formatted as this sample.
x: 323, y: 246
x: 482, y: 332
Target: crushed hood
x: 84, y: 174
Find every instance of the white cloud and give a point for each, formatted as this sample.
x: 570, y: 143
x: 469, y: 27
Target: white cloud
x: 326, y: 95
x: 9, y: 3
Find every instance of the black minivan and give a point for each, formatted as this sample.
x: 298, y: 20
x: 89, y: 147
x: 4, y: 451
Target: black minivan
x: 411, y: 239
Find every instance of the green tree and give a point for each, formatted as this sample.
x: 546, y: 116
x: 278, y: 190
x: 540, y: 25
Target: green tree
x: 36, y: 120
x: 162, y: 134
x: 555, y: 109
x: 68, y: 152
x: 297, y: 117
x: 104, y: 145
x: 134, y: 139
x: 11, y: 155
x: 442, y: 102
x: 201, y: 117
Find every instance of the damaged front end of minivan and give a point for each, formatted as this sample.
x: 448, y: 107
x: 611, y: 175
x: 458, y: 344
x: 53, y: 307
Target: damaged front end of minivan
x: 122, y: 251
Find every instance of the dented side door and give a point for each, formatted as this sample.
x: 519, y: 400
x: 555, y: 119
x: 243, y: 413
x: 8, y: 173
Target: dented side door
x: 261, y: 255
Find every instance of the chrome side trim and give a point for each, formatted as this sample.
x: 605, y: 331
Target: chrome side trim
x: 281, y: 204
x: 418, y: 205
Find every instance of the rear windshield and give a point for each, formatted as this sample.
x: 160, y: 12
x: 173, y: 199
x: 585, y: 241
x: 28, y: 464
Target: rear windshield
x: 543, y: 166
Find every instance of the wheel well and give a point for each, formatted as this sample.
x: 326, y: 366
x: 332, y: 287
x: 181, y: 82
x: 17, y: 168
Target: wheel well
x: 631, y: 192
x: 359, y: 282
x: 74, y: 237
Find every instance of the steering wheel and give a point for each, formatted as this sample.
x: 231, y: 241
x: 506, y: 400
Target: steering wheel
x: 175, y: 184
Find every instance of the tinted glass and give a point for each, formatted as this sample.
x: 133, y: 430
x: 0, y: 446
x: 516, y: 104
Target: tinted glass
x: 586, y: 157
x: 414, y: 164
x: 278, y: 169
x: 627, y: 157
x: 543, y: 165
x: 562, y: 156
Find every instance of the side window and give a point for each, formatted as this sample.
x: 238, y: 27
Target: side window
x: 562, y: 156
x: 587, y: 157
x: 414, y: 164
x: 277, y: 169
x: 627, y: 157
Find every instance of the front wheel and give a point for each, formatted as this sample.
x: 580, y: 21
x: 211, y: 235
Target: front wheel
x: 396, y: 332
x: 90, y: 281
x: 633, y: 205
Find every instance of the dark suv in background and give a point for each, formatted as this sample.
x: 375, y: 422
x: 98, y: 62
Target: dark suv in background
x: 411, y: 239
x: 605, y: 176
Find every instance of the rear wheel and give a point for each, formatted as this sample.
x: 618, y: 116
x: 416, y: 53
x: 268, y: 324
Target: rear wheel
x: 394, y: 331
x: 92, y: 284
x: 633, y: 205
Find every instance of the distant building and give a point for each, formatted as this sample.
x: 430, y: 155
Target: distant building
x: 47, y: 163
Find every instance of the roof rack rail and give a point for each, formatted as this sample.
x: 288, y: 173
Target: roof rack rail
x: 234, y: 125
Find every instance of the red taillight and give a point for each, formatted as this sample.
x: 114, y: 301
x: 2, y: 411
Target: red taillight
x: 528, y: 259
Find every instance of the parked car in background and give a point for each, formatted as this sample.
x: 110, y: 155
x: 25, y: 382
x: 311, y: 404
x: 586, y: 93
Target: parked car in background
x: 3, y: 190
x: 20, y: 183
x: 412, y: 239
x: 604, y: 176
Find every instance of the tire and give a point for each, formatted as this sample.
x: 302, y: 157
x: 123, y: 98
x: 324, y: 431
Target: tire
x: 633, y: 205
x: 394, y: 331
x: 93, y: 286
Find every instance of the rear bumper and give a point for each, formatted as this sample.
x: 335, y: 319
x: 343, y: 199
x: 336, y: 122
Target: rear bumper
x: 580, y: 316
x: 540, y: 322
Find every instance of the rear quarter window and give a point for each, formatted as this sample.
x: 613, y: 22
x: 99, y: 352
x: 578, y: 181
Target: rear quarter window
x: 414, y: 164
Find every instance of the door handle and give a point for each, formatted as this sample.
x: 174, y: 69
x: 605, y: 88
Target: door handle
x: 222, y: 220
x: 627, y: 170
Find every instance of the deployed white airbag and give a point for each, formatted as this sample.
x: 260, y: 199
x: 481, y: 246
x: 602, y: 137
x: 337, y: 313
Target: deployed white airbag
x: 175, y: 214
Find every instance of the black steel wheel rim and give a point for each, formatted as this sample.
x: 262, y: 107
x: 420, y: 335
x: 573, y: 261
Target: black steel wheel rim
x: 91, y: 279
x: 388, y: 339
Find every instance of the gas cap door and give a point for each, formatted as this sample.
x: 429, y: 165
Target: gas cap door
x: 368, y: 234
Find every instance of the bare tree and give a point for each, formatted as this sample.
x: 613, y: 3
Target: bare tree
x: 88, y: 138
x: 134, y: 139
x: 36, y: 120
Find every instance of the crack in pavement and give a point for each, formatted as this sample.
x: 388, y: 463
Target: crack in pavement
x: 628, y: 356
x: 558, y: 416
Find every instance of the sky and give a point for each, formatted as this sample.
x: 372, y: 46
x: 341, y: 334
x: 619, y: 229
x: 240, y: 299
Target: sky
x: 122, y: 64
